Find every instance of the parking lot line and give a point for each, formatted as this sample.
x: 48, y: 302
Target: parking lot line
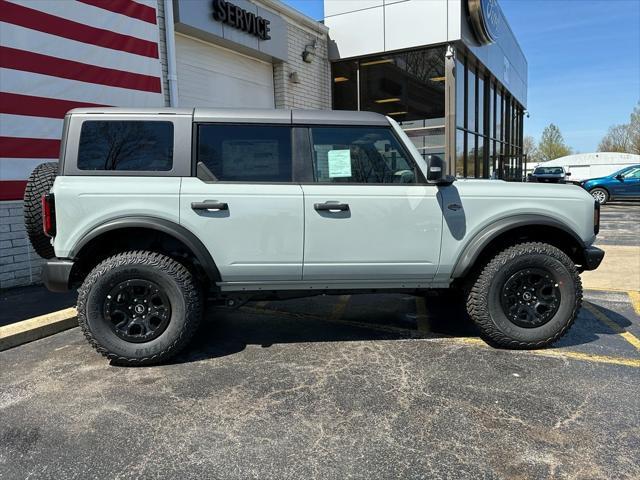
x: 635, y: 300
x: 567, y: 354
x: 629, y: 337
x: 340, y: 307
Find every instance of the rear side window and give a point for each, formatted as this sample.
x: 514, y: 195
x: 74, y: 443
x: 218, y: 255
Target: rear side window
x: 126, y: 145
x: 246, y: 153
x: 359, y: 155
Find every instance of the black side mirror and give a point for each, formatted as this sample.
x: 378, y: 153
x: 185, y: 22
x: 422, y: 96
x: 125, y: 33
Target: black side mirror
x: 568, y: 174
x: 620, y: 177
x: 435, y: 168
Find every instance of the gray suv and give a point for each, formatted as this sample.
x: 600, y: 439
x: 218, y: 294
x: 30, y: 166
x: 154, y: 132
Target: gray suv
x: 153, y: 212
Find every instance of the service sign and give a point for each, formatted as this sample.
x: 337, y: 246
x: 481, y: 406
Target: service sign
x: 236, y: 17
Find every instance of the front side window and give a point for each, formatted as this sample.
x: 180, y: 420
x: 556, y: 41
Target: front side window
x: 632, y: 173
x: 246, y: 153
x: 359, y: 155
x: 126, y: 145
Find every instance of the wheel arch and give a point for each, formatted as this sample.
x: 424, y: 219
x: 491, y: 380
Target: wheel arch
x: 143, y: 226
x: 515, y: 229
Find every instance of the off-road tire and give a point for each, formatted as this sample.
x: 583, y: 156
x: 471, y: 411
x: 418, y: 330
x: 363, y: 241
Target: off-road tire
x: 180, y: 287
x: 39, y: 184
x: 483, y: 297
x: 600, y: 195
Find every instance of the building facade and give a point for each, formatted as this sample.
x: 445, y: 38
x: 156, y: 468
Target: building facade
x: 63, y: 54
x: 450, y: 72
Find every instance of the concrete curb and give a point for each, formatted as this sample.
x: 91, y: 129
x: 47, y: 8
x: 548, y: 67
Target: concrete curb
x: 37, y: 327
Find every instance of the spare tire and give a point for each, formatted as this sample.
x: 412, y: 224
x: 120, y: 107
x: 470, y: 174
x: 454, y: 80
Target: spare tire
x: 39, y: 184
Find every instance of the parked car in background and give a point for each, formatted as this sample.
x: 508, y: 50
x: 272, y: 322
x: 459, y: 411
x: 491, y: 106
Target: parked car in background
x: 549, y: 175
x: 621, y: 185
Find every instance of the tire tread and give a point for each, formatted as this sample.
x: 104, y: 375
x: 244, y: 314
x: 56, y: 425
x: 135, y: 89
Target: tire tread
x: 477, y: 301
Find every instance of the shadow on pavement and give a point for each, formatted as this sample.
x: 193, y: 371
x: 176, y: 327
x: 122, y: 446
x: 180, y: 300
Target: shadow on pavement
x: 22, y: 303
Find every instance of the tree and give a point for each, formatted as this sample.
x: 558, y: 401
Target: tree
x: 634, y: 131
x: 552, y: 144
x: 617, y: 139
x: 623, y: 138
x: 530, y: 149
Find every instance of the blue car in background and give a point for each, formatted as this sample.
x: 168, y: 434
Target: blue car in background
x: 621, y: 185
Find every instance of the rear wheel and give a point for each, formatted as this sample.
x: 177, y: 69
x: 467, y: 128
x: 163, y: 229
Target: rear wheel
x: 600, y: 194
x: 527, y: 296
x: 39, y: 184
x: 139, y: 308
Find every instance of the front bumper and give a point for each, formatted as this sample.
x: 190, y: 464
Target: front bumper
x: 56, y: 274
x: 592, y: 257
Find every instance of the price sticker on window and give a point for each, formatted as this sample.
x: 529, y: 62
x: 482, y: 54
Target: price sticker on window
x: 339, y: 163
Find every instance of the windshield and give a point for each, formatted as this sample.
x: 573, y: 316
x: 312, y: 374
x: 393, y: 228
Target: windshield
x: 548, y: 171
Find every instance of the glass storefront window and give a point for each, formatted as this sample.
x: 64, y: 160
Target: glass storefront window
x: 480, y: 128
x: 471, y: 100
x: 460, y: 94
x: 471, y: 156
x: 345, y: 85
x: 460, y: 150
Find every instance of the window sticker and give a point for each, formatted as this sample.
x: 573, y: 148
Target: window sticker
x: 339, y: 163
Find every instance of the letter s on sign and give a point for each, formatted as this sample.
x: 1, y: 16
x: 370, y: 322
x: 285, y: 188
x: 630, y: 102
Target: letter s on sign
x: 219, y: 10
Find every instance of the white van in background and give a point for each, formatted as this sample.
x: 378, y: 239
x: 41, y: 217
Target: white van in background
x: 583, y: 166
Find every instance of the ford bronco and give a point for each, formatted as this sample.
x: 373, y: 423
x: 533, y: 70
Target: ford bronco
x: 152, y: 213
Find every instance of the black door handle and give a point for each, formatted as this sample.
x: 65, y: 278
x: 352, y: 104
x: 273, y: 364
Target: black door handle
x: 328, y: 207
x: 209, y: 206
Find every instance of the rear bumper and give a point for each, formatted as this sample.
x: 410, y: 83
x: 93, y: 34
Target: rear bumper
x: 56, y: 274
x: 592, y: 257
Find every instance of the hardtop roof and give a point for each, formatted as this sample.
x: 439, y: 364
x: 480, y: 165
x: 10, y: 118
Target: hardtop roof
x: 250, y: 115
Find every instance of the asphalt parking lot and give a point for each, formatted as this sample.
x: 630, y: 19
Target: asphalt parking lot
x: 368, y: 386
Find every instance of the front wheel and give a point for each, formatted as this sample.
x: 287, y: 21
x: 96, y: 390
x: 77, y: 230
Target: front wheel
x: 139, y: 308
x: 600, y: 195
x: 527, y: 296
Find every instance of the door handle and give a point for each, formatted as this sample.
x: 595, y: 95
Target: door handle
x: 210, y: 206
x: 331, y: 207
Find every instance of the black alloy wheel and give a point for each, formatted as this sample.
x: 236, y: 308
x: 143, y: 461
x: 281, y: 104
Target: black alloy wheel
x: 530, y: 297
x: 137, y: 310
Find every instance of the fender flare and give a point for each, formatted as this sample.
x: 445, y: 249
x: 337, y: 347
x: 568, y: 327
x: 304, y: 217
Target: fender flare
x: 172, y: 229
x: 477, y: 244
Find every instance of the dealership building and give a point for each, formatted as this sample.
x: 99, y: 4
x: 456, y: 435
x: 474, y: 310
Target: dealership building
x: 449, y: 71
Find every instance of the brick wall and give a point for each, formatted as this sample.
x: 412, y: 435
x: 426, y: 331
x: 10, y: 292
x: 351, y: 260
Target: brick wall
x: 314, y: 89
x: 19, y: 263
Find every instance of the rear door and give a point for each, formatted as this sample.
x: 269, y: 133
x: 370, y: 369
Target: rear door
x: 245, y: 208
x: 368, y: 216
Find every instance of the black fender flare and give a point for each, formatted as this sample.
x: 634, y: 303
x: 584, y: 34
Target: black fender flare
x: 477, y: 244
x: 172, y: 229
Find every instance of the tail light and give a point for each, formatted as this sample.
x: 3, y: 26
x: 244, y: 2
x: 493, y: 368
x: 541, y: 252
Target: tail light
x: 596, y: 218
x: 49, y: 215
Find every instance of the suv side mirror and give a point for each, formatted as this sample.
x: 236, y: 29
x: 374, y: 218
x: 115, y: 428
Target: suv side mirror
x: 435, y: 169
x: 568, y: 174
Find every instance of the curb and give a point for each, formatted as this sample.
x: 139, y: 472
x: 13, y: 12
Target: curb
x: 37, y: 327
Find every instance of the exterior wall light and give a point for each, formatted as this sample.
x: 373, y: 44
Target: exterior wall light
x: 294, y: 77
x: 309, y: 52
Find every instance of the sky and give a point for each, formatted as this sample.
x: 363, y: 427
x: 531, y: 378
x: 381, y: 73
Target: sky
x: 584, y: 63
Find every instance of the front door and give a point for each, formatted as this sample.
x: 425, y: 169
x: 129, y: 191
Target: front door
x: 628, y: 186
x: 248, y: 213
x: 368, y: 216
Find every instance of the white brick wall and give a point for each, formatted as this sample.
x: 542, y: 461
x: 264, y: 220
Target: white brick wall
x: 19, y: 263
x: 314, y: 89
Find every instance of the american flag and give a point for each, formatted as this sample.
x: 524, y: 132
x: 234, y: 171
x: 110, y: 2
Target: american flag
x: 56, y: 55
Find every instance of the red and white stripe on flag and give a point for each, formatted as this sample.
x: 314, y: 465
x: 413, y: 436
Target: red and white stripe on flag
x: 56, y: 55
